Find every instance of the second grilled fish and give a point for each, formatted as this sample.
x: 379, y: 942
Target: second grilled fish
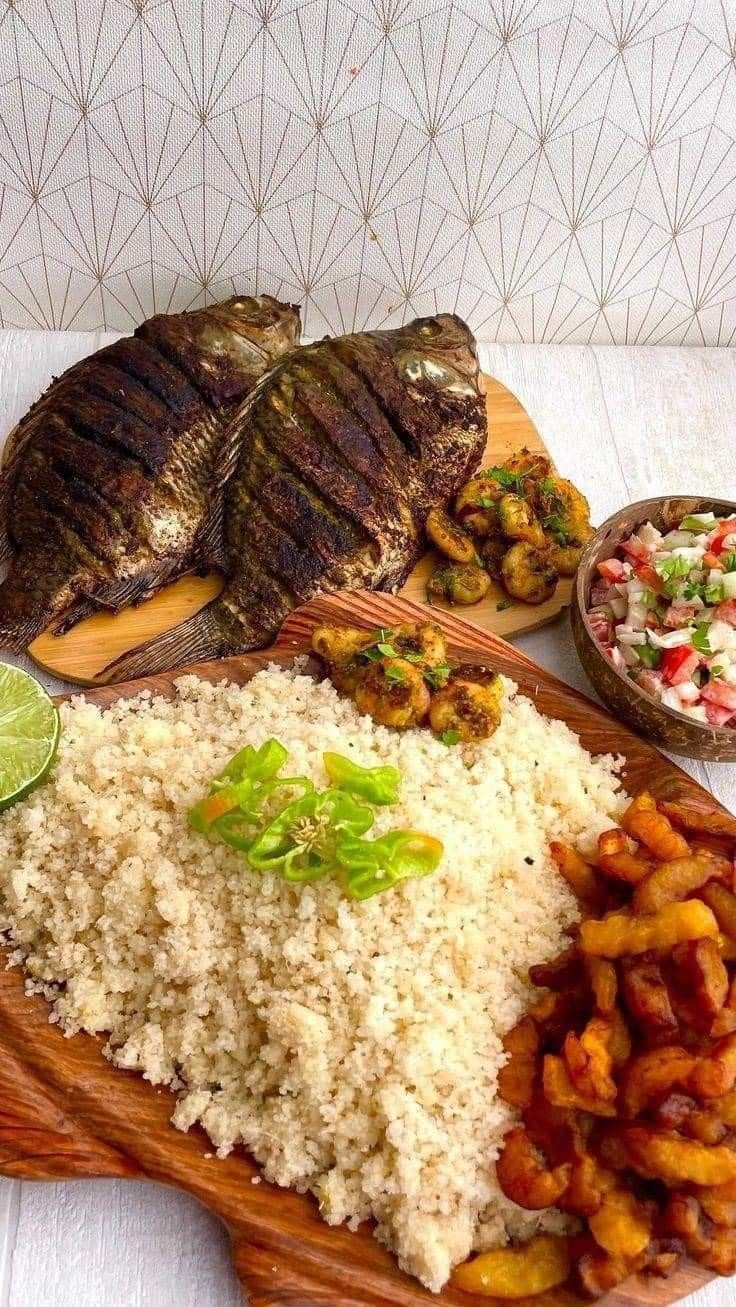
x: 350, y: 442
x: 112, y: 484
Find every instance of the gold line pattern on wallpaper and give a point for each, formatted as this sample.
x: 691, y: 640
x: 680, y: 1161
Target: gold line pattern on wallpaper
x: 553, y: 170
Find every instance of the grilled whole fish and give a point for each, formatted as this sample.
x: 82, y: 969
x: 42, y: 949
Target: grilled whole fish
x: 112, y: 483
x: 350, y: 442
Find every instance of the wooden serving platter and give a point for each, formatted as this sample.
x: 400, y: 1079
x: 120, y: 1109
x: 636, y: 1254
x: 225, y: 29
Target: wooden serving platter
x: 66, y: 1112
x: 81, y: 654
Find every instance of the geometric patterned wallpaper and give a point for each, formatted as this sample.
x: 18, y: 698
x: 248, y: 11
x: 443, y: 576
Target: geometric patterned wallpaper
x: 553, y: 170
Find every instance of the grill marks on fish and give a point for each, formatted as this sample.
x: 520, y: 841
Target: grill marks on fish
x: 345, y: 445
x: 113, y: 481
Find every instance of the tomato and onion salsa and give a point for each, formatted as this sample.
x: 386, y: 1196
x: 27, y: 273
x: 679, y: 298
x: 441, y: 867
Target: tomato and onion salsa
x: 664, y: 611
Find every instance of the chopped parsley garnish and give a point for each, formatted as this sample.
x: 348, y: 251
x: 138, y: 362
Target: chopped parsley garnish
x: 713, y: 594
x: 728, y: 562
x: 694, y: 590
x: 506, y: 479
x: 700, y: 639
x: 395, y: 675
x: 486, y: 502
x: 450, y: 737
x: 436, y: 676
x: 374, y: 652
x: 716, y: 671
x: 556, y: 524
x: 547, y: 486
x: 503, y: 604
x: 412, y: 657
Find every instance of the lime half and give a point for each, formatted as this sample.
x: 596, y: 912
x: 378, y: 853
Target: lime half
x: 29, y: 734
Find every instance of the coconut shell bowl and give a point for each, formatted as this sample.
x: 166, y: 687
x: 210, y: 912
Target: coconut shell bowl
x: 661, y: 725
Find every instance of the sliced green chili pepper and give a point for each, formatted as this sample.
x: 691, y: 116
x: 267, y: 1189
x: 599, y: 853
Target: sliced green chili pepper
x: 379, y: 785
x: 370, y: 866
x: 238, y: 793
x: 255, y: 764
x: 300, y: 842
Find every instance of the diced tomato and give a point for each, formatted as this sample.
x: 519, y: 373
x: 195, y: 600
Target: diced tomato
x: 718, y: 716
x: 634, y: 548
x: 679, y: 664
x: 650, y: 681
x: 647, y: 574
x: 727, y: 611
x: 711, y: 560
x: 612, y: 569
x: 674, y: 618
x: 720, y: 693
x: 651, y: 621
x: 601, y: 626
x: 727, y: 528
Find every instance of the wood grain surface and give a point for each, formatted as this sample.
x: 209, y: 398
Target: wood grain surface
x: 65, y: 1111
x: 81, y: 654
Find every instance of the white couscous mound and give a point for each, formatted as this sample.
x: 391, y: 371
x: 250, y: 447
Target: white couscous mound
x: 351, y: 1047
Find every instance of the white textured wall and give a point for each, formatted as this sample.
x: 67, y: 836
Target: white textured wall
x: 556, y: 170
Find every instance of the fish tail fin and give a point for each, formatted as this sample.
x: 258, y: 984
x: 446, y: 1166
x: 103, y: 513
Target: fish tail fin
x: 30, y: 597
x: 196, y: 640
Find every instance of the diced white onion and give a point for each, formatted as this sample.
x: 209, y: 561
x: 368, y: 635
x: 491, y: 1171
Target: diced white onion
x: 670, y: 640
x: 619, y: 606
x: 627, y: 635
x: 715, y: 576
x: 696, y: 712
x: 729, y: 674
x: 629, y: 656
x: 688, y: 692
x: 636, y: 615
x: 650, y: 537
x: 671, y: 698
x: 617, y: 659
x: 679, y: 540
x: 729, y: 585
x: 721, y: 635
x: 691, y: 555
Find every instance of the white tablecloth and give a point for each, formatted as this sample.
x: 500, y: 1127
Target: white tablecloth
x: 625, y: 424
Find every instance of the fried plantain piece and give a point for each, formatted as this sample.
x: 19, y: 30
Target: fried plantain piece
x: 675, y: 880
x: 622, y: 1225
x: 657, y: 833
x: 620, y: 933
x: 596, y: 1271
x: 710, y: 1244
x: 524, y: 1178
x: 701, y: 821
x: 560, y: 1090
x: 722, y: 904
x: 541, y: 1263
x: 664, y: 1155
x: 715, y: 1074
x: 646, y: 996
x: 589, y: 1060
x: 699, y: 982
x: 603, y: 982
x: 561, y: 972
x: 652, y: 1075
x: 631, y: 868
x: 681, y: 1112
x: 589, y: 1182
x: 578, y: 873
x: 516, y: 1079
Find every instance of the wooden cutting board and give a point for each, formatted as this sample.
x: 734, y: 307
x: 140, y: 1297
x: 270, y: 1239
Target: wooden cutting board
x: 66, y: 1112
x: 82, y: 653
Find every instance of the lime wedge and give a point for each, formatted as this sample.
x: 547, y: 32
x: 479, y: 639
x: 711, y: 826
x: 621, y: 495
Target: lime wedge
x: 29, y: 734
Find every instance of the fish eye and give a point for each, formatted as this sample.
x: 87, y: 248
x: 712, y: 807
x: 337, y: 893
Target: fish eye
x: 430, y: 328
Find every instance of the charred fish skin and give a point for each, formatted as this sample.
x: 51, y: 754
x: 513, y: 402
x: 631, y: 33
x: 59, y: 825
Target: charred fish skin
x: 351, y: 442
x: 112, y: 483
